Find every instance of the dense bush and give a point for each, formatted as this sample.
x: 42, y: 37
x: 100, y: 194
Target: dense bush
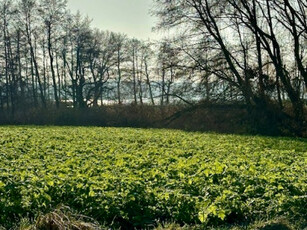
x: 223, y: 118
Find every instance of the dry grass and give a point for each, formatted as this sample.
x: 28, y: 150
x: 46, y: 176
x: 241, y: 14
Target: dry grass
x: 62, y: 218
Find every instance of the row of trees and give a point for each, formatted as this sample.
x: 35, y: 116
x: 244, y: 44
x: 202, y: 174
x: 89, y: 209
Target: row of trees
x: 49, y: 56
x: 238, y: 50
x: 255, y: 46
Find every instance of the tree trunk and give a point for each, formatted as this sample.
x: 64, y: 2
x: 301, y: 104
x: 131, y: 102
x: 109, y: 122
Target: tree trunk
x: 119, y: 77
x: 33, y: 59
x: 134, y: 77
x: 148, y: 83
x: 51, y: 58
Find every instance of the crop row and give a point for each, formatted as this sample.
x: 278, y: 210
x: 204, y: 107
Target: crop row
x: 134, y: 177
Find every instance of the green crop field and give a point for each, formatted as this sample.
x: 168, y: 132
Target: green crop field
x: 137, y: 177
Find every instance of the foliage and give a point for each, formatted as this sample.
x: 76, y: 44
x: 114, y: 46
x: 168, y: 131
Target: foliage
x: 135, y: 177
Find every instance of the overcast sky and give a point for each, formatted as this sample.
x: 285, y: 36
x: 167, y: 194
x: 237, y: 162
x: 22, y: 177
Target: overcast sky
x: 131, y: 17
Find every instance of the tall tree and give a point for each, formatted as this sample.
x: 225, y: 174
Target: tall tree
x: 52, y: 13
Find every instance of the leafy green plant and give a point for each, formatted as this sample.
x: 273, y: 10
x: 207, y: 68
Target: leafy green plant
x: 136, y: 177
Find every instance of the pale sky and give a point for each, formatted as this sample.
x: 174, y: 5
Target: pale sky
x: 131, y: 17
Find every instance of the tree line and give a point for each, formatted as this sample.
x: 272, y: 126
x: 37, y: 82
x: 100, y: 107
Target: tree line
x: 242, y: 51
x: 50, y: 57
x: 257, y: 47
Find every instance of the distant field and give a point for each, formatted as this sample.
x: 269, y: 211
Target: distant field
x: 135, y: 177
